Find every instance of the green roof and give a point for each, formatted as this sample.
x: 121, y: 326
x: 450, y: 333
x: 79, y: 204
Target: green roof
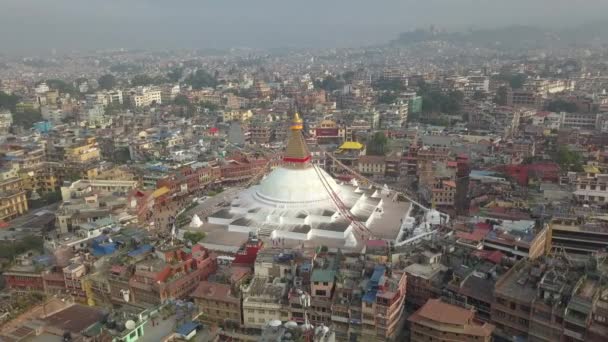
x: 323, y: 276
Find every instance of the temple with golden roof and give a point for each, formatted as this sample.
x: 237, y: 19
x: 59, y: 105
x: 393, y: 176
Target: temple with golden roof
x: 293, y: 203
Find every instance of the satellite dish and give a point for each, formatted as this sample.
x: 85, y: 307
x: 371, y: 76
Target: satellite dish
x: 130, y: 324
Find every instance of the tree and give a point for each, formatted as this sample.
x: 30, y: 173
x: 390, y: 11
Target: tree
x: 517, y: 81
x: 107, y: 82
x: 27, y: 118
x: 61, y: 86
x: 568, y: 160
x: 175, y: 74
x: 181, y: 100
x: 8, y: 101
x: 389, y: 84
x: 560, y: 105
x: 377, y: 146
x: 501, y: 96
x: 145, y: 80
x: 329, y: 83
x: 194, y: 237
x: 387, y: 98
x: 479, y: 95
x: 201, y: 79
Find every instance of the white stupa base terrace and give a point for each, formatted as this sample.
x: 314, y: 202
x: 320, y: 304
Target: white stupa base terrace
x: 292, y: 204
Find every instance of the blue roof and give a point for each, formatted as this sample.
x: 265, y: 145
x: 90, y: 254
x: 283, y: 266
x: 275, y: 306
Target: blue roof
x: 141, y: 250
x: 372, y: 286
x: 186, y: 328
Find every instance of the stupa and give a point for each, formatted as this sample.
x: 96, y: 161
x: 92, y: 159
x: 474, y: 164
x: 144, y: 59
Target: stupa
x: 293, y: 202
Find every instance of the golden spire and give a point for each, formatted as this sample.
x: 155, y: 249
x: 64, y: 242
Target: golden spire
x: 297, y: 123
x: 296, y: 152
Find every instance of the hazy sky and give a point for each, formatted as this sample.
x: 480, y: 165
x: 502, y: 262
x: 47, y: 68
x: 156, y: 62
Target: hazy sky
x: 88, y: 24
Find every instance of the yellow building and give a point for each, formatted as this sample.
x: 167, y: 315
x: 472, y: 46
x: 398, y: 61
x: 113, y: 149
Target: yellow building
x: 85, y: 152
x: 13, y: 200
x: 237, y: 115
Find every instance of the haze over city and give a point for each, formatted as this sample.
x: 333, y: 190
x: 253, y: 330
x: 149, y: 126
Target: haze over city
x: 35, y: 25
x: 303, y: 171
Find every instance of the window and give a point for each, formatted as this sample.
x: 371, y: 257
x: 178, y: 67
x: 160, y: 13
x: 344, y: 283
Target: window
x: 325, y: 283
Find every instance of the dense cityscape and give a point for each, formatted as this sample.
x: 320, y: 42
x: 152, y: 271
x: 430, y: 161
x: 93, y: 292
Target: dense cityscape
x: 435, y: 187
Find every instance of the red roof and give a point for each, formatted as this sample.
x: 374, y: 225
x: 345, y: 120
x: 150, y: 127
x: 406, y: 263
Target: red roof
x: 214, y: 130
x: 492, y: 256
x: 476, y: 235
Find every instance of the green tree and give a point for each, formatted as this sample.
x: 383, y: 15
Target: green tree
x: 145, y: 80
x: 181, y: 100
x: 389, y: 84
x: 569, y: 160
x: 8, y: 101
x: 377, y: 145
x: 501, y: 96
x: 175, y: 74
x: 61, y: 86
x: 561, y: 105
x: 27, y: 118
x: 329, y: 83
x: 387, y: 98
x: 479, y: 95
x: 517, y: 81
x: 201, y: 79
x: 194, y: 237
x: 107, y: 82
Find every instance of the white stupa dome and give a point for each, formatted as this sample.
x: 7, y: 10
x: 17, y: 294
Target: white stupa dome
x: 295, y: 187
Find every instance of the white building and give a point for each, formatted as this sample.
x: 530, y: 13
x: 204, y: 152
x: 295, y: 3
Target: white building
x: 145, y: 96
x: 42, y: 88
x: 6, y: 121
x: 53, y: 115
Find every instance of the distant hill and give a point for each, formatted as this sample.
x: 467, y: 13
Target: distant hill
x: 513, y: 37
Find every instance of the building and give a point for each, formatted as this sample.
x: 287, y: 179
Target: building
x: 551, y: 299
x: 174, y: 273
x: 439, y: 321
x: 374, y: 166
x: 263, y: 302
x: 578, y: 235
x: 218, y: 303
x: 145, y: 96
x: 296, y: 194
x: 13, y: 200
x: 6, y: 121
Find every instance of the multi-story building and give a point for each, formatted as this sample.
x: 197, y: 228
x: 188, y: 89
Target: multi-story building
x: 373, y: 312
x: 260, y: 132
x: 145, y: 96
x: 519, y: 239
x: 439, y: 321
x: 263, y: 302
x: 6, y: 121
x: 524, y: 98
x: 578, y: 236
x: 218, y: 303
x: 237, y: 115
x: 73, y: 275
x: 173, y: 274
x: 591, y: 187
x: 550, y: 299
x: 13, y: 200
x: 374, y: 166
